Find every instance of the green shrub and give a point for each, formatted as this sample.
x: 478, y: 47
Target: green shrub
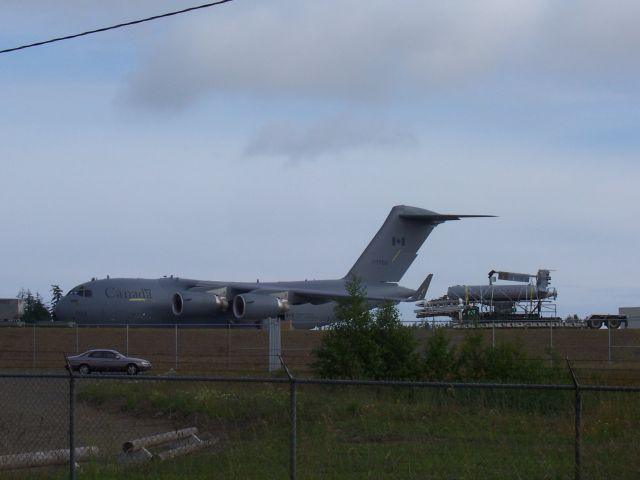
x: 471, y: 362
x: 440, y: 357
x: 367, y: 344
x: 373, y: 344
x: 478, y: 362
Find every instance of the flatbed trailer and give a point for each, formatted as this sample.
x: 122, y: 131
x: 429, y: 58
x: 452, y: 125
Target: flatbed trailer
x: 471, y: 316
x: 515, y: 321
x: 610, y: 321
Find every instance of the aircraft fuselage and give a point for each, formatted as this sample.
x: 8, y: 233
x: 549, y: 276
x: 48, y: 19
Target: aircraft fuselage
x: 305, y: 303
x: 139, y: 301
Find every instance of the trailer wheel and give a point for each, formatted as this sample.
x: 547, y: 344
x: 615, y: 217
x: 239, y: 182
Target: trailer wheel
x: 614, y: 323
x: 596, y: 323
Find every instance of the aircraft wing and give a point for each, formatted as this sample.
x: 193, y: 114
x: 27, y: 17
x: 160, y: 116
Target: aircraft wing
x: 295, y: 294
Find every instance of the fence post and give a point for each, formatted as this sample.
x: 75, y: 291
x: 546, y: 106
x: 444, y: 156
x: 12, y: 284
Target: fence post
x: 493, y: 334
x: 34, y: 344
x: 228, y: 346
x: 293, y: 432
x: 578, y: 416
x: 72, y: 421
x: 551, y: 343
x: 275, y: 345
x: 176, y: 329
x: 609, y: 341
x: 127, y: 326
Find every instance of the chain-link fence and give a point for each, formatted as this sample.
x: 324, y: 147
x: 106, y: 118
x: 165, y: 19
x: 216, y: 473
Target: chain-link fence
x: 187, y: 348
x: 147, y: 427
x: 238, y: 349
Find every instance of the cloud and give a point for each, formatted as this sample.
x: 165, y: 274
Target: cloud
x: 589, y: 36
x: 330, y: 135
x: 374, y: 50
x: 322, y: 49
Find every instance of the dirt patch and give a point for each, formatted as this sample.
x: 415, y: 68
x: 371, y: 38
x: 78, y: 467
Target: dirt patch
x: 35, y: 416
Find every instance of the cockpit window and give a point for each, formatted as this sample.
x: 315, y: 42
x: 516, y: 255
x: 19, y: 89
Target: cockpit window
x: 81, y: 292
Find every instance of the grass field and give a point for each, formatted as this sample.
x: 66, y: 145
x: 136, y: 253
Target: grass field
x: 366, y: 432
x: 343, y: 432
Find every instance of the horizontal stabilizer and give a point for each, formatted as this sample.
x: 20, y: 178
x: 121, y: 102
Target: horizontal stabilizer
x: 437, y: 217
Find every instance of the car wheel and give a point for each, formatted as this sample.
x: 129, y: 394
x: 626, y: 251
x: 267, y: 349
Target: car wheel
x: 84, y: 369
x: 132, y: 369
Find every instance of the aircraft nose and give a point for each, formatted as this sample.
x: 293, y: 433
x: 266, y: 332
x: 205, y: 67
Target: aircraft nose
x: 62, y: 310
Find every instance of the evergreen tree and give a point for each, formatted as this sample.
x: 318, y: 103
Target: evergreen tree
x: 34, y: 308
x: 56, y: 295
x: 366, y: 344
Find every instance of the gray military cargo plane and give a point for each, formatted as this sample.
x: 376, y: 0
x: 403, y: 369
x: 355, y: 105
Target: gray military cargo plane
x: 306, y: 304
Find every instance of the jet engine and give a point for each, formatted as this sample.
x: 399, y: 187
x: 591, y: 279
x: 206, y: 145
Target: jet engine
x: 253, y: 306
x: 197, y: 304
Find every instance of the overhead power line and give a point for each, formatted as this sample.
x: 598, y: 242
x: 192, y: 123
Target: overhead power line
x: 113, y: 27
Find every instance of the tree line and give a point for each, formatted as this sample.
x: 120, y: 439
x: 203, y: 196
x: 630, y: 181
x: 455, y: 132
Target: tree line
x: 35, y: 308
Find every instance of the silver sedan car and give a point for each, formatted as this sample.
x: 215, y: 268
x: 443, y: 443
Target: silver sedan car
x: 106, y: 361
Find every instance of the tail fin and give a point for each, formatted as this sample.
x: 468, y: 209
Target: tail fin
x: 394, y: 248
x: 421, y: 292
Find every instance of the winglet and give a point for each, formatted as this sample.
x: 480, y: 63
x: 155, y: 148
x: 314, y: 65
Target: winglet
x: 421, y: 292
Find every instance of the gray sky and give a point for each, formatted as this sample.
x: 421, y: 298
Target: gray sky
x: 270, y: 139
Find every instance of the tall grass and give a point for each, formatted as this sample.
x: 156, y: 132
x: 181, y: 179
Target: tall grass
x: 380, y: 432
